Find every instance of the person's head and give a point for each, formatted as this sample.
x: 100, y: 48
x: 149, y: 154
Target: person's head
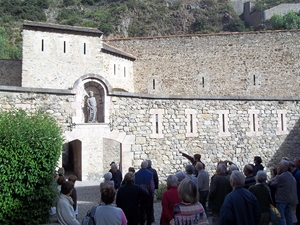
x: 257, y: 160
x: 67, y: 187
x: 248, y: 170
x: 72, y: 178
x: 180, y: 176
x: 232, y: 167
x: 199, y: 166
x: 149, y: 163
x: 61, y: 171
x: 237, y: 179
x: 172, y: 181
x: 129, y: 178
x: 144, y: 164
x: 221, y: 168
x: 107, y: 176
x: 283, y: 166
x: 297, y: 162
x: 292, y: 166
x: 131, y: 169
x: 197, y: 157
x: 273, y: 172
x: 187, y: 191
x: 189, y: 169
x: 60, y: 180
x: 261, y: 176
x: 113, y: 168
x: 108, y: 194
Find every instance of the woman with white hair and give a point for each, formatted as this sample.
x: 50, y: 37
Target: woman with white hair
x: 107, y: 180
x: 169, y: 198
x: 190, y: 210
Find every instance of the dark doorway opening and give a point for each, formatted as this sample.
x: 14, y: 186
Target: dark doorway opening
x: 71, y: 159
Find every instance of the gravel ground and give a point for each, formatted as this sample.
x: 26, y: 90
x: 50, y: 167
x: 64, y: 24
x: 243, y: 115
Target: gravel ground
x: 88, y: 195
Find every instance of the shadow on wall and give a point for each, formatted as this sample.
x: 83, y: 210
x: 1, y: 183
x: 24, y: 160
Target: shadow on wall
x: 290, y: 148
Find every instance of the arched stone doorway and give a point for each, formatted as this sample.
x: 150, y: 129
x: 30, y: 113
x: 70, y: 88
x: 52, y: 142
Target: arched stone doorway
x: 71, y: 158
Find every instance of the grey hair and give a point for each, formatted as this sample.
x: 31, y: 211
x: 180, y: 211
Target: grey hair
x: 222, y: 168
x: 144, y: 164
x: 172, y: 181
x: 233, y: 167
x: 188, y: 192
x: 284, y: 164
x: 237, y: 178
x: 261, y: 176
x: 149, y: 163
x: 199, y: 166
x: 112, y: 166
x: 189, y: 169
x: 180, y: 176
x: 107, y: 176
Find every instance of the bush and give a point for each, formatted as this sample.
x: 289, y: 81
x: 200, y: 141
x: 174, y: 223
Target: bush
x: 30, y: 147
x: 161, y: 189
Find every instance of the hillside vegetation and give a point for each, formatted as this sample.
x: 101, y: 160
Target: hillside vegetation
x: 119, y: 18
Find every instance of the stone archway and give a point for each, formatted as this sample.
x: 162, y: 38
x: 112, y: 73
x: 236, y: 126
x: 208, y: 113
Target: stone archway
x: 100, y: 87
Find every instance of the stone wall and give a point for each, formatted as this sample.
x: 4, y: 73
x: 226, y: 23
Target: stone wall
x: 10, y: 72
x: 235, y: 130
x: 236, y: 64
x: 48, y: 64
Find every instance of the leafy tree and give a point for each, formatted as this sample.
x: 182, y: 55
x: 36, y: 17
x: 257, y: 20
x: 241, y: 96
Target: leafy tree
x: 287, y: 22
x: 29, y: 150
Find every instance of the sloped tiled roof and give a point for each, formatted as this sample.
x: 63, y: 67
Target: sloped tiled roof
x: 110, y: 49
x: 51, y: 26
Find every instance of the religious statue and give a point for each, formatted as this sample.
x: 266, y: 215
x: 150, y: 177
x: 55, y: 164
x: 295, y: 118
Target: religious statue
x: 92, y: 108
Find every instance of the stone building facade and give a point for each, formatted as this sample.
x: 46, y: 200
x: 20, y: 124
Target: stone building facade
x: 225, y: 96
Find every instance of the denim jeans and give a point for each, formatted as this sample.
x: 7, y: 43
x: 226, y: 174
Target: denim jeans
x: 286, y: 214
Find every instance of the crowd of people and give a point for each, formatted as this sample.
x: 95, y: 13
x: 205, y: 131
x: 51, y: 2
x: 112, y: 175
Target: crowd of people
x: 229, y: 196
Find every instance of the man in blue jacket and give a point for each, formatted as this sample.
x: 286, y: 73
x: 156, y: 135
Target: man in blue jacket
x: 144, y: 178
x: 240, y: 206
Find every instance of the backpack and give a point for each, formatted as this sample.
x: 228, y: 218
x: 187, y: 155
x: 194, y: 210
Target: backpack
x: 89, y: 218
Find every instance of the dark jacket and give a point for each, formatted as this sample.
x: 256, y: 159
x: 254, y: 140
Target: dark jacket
x: 240, y: 207
x: 219, y: 188
x: 129, y: 197
x: 155, y: 176
x: 116, y: 178
x: 263, y: 195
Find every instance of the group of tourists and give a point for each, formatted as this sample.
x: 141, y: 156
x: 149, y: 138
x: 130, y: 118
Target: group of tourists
x: 229, y: 196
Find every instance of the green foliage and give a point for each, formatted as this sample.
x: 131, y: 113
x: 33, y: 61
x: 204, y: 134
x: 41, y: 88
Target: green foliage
x: 234, y: 26
x: 287, y: 22
x: 8, y: 51
x: 29, y: 150
x: 68, y: 2
x: 26, y: 10
x: 161, y: 189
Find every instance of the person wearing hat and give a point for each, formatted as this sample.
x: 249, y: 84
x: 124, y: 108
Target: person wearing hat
x: 107, y: 181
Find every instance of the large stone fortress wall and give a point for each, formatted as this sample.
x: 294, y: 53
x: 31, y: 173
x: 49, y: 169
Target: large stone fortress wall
x: 227, y: 129
x: 238, y: 64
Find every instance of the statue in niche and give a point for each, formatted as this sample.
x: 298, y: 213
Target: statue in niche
x: 91, y: 108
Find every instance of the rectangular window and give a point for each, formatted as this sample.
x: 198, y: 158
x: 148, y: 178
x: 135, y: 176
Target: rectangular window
x: 254, y: 80
x: 191, y: 122
x: 253, y: 123
x: 153, y: 84
x: 84, y: 48
x: 115, y: 69
x: 124, y: 71
x: 156, y: 119
x: 42, y: 45
x: 282, y: 122
x: 202, y: 81
x: 156, y: 123
x: 223, y: 123
x: 64, y: 46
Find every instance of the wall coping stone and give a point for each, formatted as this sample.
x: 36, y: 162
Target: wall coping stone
x: 190, y: 97
x: 36, y: 90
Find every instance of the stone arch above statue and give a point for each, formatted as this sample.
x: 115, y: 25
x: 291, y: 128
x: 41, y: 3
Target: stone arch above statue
x: 91, y: 104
